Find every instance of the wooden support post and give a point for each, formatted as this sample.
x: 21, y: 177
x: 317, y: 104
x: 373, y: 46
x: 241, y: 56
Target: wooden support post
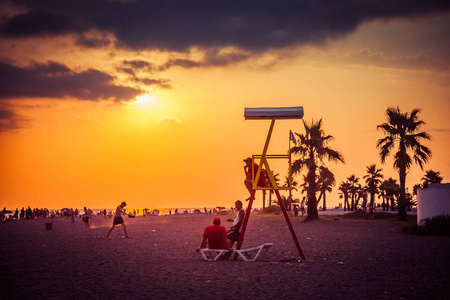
x: 288, y: 221
x: 244, y: 224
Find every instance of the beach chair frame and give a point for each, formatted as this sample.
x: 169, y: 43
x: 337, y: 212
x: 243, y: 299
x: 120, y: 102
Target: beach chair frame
x: 213, y: 254
x: 251, y: 254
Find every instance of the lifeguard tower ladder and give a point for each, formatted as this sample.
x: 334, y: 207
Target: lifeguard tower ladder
x: 271, y: 113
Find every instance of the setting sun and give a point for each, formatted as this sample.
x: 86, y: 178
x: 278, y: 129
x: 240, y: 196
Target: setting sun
x: 144, y: 100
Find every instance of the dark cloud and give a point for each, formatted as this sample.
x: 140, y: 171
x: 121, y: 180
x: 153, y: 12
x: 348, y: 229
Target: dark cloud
x: 41, y: 23
x: 134, y: 66
x: 212, y: 58
x: 162, y: 83
x: 10, y: 120
x: 93, y: 40
x: 377, y: 59
x: 178, y: 25
x: 139, y: 64
x: 54, y: 80
x: 128, y: 71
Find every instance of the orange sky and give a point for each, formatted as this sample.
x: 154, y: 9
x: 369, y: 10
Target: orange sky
x: 184, y: 145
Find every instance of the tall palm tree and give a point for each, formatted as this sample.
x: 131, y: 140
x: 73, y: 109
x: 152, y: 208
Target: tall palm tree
x: 403, y: 130
x: 431, y: 177
x: 325, y: 184
x: 344, y: 187
x: 354, y: 190
x: 389, y: 188
x: 312, y: 150
x: 373, y: 181
x: 294, y: 187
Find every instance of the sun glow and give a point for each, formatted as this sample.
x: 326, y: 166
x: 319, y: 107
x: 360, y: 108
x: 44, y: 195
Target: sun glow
x: 144, y: 100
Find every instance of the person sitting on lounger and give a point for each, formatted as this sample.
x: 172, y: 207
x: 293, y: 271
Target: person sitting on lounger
x: 216, y: 236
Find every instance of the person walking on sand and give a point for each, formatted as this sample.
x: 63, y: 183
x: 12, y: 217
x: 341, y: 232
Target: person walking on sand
x: 86, y: 217
x: 302, y: 206
x: 119, y: 220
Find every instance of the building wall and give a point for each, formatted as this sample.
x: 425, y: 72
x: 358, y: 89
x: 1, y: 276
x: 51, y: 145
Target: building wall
x: 433, y: 201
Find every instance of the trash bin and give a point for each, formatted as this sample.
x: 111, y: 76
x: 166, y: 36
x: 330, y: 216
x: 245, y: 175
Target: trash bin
x: 49, y: 226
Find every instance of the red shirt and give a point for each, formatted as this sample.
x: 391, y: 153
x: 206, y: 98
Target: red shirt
x: 262, y: 178
x: 215, y: 235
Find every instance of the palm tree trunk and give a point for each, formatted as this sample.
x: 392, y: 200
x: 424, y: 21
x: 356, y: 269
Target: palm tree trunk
x: 402, y: 199
x: 324, y: 201
x: 312, y: 201
x: 357, y: 201
x: 290, y: 201
x: 320, y: 197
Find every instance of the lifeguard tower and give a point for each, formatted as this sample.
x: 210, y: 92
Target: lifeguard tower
x: 271, y: 113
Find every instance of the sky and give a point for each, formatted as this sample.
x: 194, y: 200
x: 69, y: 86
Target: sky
x: 104, y: 101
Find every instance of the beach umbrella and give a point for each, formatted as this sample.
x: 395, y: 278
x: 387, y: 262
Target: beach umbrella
x: 64, y: 209
x: 220, y: 207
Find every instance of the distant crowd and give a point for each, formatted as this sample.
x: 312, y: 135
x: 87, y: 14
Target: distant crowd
x: 42, y: 213
x: 26, y: 213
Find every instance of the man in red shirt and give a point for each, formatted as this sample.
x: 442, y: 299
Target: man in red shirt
x: 249, y: 169
x: 216, y: 236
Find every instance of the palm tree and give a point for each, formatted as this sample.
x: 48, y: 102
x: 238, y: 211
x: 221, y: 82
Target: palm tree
x: 403, y: 130
x: 312, y: 150
x: 270, y: 185
x: 325, y: 184
x: 294, y: 187
x: 431, y: 177
x: 344, y: 187
x: 354, y: 190
x: 389, y: 188
x: 304, y: 185
x: 373, y: 181
x: 415, y: 187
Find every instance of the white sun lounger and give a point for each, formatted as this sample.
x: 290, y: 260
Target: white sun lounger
x: 213, y: 254
x: 251, y: 254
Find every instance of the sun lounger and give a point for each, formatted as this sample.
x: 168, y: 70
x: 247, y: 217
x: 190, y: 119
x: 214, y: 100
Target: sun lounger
x: 213, y: 254
x: 251, y: 254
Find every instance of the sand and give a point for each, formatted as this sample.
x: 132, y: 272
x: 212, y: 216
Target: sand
x: 345, y: 259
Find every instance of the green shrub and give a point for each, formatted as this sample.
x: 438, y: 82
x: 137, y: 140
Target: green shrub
x: 438, y: 225
x: 273, y: 209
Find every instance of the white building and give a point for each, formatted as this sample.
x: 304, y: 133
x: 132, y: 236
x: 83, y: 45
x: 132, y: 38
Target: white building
x: 433, y: 201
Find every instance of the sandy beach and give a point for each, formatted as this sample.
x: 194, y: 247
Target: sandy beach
x: 345, y: 259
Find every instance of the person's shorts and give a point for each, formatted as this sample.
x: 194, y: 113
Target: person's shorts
x: 86, y: 219
x: 233, y: 234
x: 118, y: 220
